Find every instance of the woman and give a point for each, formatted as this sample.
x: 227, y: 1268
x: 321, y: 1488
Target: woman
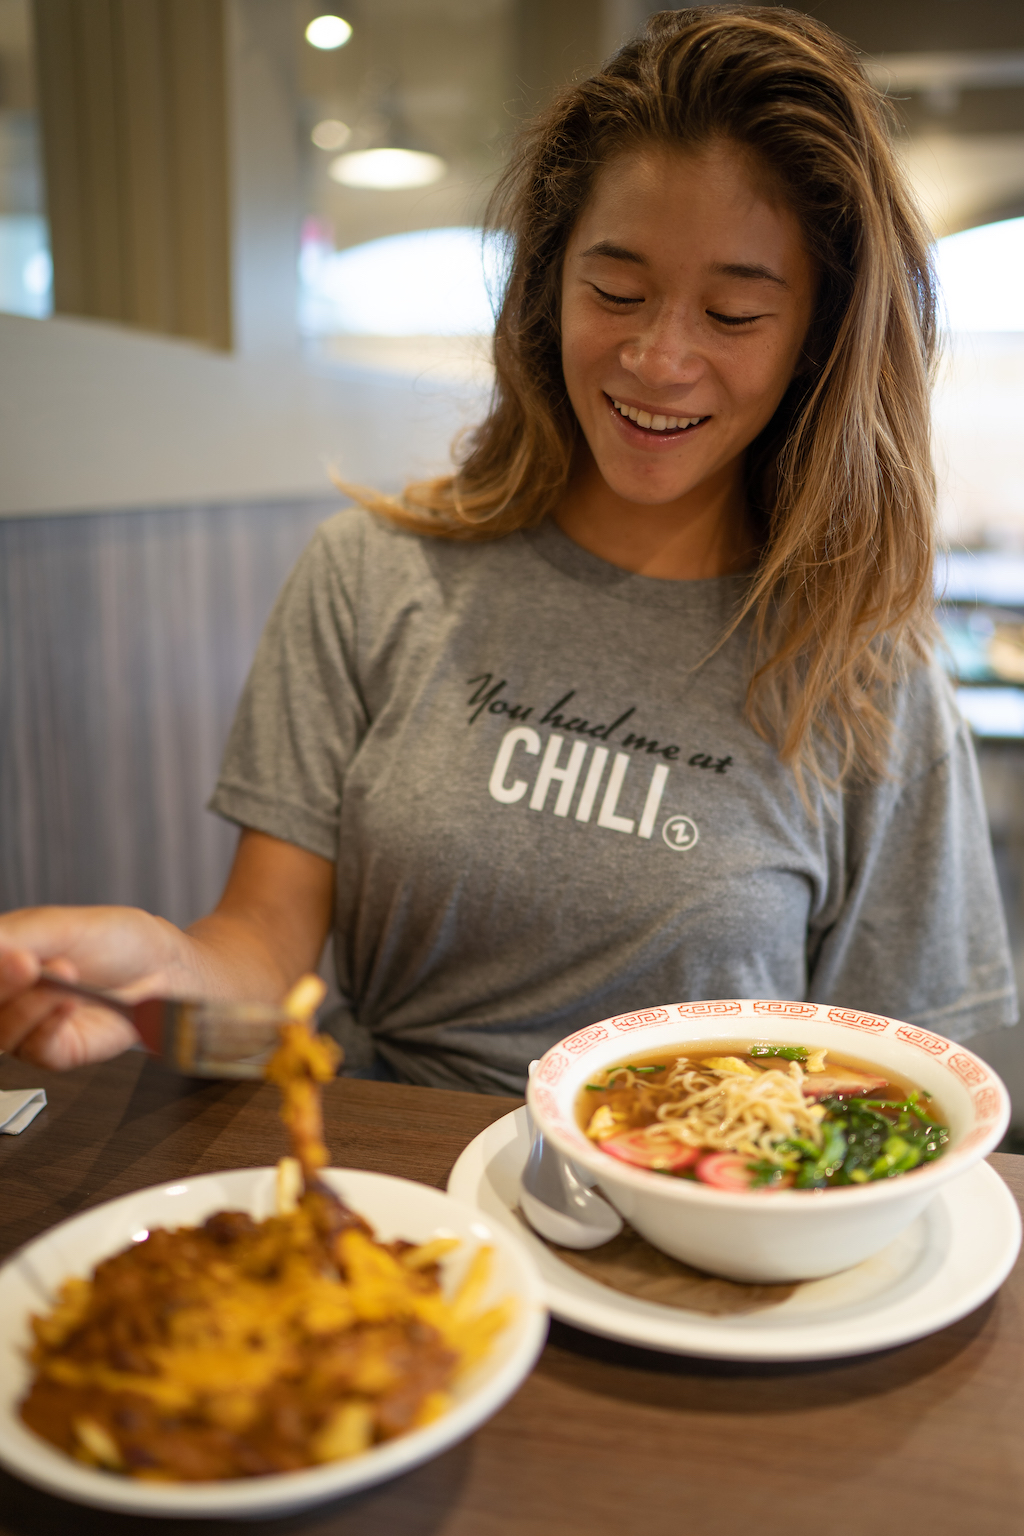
x: 639, y: 705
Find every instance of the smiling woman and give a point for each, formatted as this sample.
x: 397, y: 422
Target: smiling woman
x: 638, y: 702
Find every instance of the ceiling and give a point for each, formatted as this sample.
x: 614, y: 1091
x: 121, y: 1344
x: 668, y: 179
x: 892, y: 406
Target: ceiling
x: 456, y: 76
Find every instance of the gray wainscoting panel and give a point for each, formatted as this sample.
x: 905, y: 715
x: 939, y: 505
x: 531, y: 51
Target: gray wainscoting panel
x: 125, y: 638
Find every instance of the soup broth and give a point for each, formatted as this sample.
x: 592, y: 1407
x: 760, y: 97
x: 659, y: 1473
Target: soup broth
x: 747, y: 1114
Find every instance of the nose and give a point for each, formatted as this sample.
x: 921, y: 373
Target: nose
x: 665, y: 352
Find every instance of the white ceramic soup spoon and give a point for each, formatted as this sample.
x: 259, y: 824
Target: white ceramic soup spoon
x: 559, y: 1200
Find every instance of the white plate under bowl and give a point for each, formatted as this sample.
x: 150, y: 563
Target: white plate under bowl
x: 394, y: 1207
x: 946, y: 1263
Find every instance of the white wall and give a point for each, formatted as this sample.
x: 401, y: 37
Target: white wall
x: 97, y: 416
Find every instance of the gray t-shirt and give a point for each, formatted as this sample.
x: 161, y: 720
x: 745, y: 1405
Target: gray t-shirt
x: 543, y: 811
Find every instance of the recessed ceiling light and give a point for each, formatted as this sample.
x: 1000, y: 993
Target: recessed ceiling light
x: 387, y: 169
x: 328, y: 32
x: 332, y: 133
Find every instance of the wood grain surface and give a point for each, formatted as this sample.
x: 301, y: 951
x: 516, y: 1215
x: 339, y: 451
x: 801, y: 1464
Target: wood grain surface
x: 603, y: 1439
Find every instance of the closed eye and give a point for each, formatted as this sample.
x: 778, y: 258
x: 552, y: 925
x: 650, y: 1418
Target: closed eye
x: 734, y: 319
x: 614, y: 298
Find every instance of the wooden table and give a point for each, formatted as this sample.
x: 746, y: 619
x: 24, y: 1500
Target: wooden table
x: 603, y: 1439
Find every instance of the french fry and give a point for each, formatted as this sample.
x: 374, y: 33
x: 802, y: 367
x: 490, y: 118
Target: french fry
x: 288, y: 1184
x: 304, y: 998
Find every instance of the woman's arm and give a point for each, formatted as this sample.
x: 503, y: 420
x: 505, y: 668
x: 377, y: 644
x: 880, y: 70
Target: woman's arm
x: 267, y: 929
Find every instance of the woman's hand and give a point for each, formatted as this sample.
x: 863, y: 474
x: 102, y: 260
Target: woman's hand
x: 268, y: 929
x: 119, y: 949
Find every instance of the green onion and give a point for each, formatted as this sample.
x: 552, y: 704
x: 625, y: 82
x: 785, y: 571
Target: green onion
x: 765, y: 1173
x: 827, y: 1162
x: 897, y: 1156
x: 786, y: 1052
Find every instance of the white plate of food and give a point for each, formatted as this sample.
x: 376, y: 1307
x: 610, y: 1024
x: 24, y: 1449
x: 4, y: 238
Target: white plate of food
x: 948, y: 1261
x: 396, y: 1209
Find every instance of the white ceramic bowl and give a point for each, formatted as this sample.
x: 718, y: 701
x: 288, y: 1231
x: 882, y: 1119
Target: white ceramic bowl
x: 395, y: 1207
x: 778, y: 1235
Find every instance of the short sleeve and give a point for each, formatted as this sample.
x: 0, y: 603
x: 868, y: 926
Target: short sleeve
x: 301, y: 716
x: 921, y: 933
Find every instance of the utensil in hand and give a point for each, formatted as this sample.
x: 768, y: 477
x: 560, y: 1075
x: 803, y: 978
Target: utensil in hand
x: 560, y: 1202
x: 196, y: 1038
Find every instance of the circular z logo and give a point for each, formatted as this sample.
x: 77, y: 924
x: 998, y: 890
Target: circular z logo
x: 680, y: 833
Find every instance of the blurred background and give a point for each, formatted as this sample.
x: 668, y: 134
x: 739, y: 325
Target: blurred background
x: 240, y: 249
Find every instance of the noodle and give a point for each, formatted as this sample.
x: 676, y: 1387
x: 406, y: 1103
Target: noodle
x: 725, y: 1110
x: 731, y: 1112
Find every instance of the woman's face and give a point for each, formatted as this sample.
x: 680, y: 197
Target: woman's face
x: 687, y: 293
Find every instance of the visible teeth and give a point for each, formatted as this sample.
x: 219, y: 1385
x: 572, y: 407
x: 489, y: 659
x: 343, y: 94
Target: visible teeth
x: 654, y: 423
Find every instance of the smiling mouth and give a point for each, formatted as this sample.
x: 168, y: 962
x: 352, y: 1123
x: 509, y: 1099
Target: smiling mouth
x: 648, y: 422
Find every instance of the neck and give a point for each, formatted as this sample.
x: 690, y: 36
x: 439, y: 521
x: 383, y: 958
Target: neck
x: 705, y: 533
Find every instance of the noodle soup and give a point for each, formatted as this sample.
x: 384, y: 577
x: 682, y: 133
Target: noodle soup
x: 747, y: 1115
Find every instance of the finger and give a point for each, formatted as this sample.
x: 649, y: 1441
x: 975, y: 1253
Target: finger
x: 19, y: 969
x: 55, y: 970
x: 109, y: 947
x: 72, y: 1036
x: 76, y: 936
x: 66, y: 969
x: 29, y: 1002
x: 27, y: 1012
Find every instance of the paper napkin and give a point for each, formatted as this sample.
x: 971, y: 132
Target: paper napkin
x: 19, y: 1108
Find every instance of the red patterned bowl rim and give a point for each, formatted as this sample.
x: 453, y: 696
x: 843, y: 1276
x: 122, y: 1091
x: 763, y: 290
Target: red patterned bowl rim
x: 987, y: 1093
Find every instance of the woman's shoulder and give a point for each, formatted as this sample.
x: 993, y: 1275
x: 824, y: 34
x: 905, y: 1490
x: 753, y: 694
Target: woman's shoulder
x: 359, y: 540
x: 349, y: 534
x: 360, y: 561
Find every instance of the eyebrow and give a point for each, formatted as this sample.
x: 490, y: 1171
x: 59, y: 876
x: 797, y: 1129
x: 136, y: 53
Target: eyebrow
x: 616, y: 252
x: 752, y: 272
x: 749, y: 271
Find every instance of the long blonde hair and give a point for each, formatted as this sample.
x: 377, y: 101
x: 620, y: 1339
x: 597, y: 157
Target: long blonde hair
x: 840, y: 481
